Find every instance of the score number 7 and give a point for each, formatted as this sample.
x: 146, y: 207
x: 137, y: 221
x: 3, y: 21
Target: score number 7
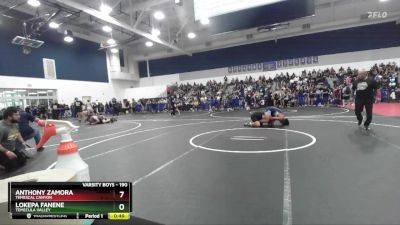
x: 121, y: 195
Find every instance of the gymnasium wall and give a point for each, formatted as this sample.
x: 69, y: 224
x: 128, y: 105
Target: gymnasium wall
x: 377, y: 36
x: 80, y: 60
x: 146, y: 92
x: 67, y: 90
x: 359, y: 60
x: 81, y: 69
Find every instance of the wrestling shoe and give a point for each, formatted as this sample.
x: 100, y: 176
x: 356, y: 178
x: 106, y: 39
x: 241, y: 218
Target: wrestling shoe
x: 248, y: 124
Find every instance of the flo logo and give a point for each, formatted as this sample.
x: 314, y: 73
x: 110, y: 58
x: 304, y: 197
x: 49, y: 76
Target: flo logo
x: 377, y: 15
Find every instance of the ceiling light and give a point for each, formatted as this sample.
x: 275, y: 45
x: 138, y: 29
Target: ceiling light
x: 204, y: 21
x: 114, y: 50
x: 34, y: 3
x: 155, y: 32
x: 68, y: 36
x: 54, y: 25
x: 159, y: 15
x: 191, y: 35
x: 68, y: 39
x: 383, y: 0
x: 111, y: 41
x: 107, y: 29
x: 106, y: 9
x: 149, y: 43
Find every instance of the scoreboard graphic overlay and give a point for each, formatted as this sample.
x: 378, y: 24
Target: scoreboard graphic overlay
x: 70, y: 200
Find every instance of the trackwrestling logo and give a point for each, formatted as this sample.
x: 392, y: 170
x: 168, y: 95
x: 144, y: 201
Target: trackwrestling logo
x: 377, y: 15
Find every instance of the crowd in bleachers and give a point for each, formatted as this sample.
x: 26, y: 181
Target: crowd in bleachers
x: 310, y: 88
x: 314, y: 87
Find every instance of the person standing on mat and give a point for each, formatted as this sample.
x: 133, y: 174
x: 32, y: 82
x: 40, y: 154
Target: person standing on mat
x: 364, y: 88
x: 271, y: 114
x: 173, y: 106
x: 78, y: 109
x: 55, y: 110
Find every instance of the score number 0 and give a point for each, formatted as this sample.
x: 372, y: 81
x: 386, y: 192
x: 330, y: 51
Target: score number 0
x: 121, y: 195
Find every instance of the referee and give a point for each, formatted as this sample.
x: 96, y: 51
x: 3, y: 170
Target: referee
x: 173, y: 105
x: 365, y: 88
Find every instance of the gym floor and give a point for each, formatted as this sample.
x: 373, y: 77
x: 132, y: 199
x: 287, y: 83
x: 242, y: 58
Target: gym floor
x: 198, y: 168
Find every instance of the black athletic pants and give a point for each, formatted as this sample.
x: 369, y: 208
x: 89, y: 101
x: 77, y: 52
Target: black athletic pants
x: 173, y: 110
x: 360, y: 104
x: 55, y: 114
x: 11, y: 164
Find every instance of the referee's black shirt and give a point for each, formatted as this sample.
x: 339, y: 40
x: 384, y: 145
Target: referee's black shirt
x: 365, y: 89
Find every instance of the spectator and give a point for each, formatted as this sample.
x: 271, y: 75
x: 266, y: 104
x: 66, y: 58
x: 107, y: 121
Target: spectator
x: 67, y: 111
x: 101, y: 108
x: 346, y: 93
x: 26, y: 131
x: 313, y: 87
x: 55, y: 110
x: 11, y: 154
x: 78, y: 106
x: 42, y: 111
x: 62, y: 110
x: 89, y: 108
x: 115, y: 107
x: 95, y: 107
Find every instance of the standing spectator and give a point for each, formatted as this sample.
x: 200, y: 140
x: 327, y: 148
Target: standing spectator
x: 134, y: 105
x: 326, y: 96
x: 89, y: 107
x: 346, y: 93
x: 95, y: 107
x: 378, y: 96
x: 312, y: 97
x: 115, y: 107
x: 107, y: 108
x: 49, y: 111
x: 55, y: 111
x: 67, y: 111
x: 100, y: 108
x: 79, y: 109
x: 61, y: 110
x: 42, y: 111
x: 286, y: 100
